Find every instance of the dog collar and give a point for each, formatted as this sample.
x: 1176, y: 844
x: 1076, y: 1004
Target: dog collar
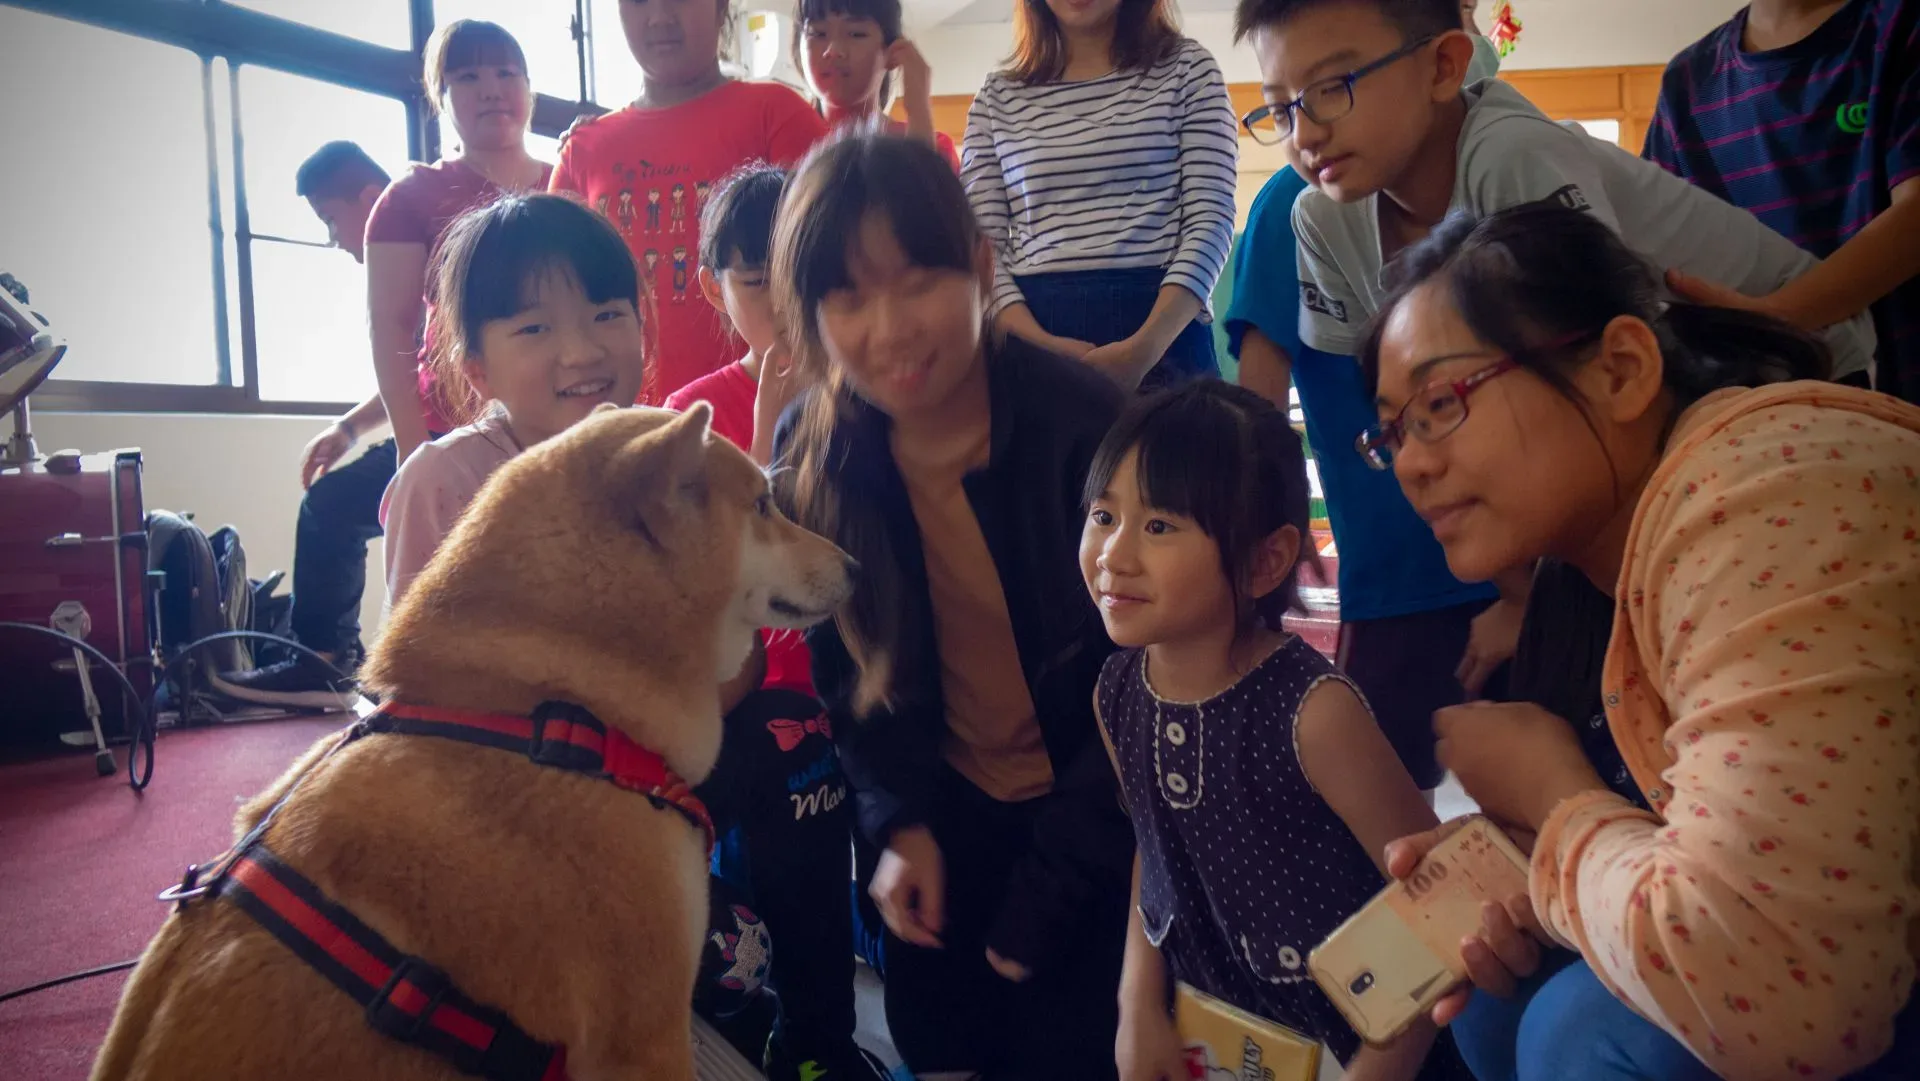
x: 560, y: 735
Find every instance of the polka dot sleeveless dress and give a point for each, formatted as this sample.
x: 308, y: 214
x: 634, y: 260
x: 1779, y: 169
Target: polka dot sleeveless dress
x: 1244, y: 868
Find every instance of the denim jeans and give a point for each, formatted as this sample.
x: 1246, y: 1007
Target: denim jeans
x: 339, y: 517
x: 1564, y: 1025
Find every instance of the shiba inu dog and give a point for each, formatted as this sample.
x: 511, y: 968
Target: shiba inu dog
x: 620, y: 570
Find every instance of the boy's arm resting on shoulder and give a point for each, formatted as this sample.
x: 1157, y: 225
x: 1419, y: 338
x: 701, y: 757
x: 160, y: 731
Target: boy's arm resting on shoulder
x: 1884, y: 254
x: 395, y: 285
x: 1331, y: 313
x: 1349, y: 762
x: 1878, y: 259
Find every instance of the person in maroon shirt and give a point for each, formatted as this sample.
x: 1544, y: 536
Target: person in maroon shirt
x: 477, y: 76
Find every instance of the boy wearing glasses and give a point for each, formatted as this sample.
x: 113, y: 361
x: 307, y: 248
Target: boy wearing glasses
x: 1414, y: 637
x: 1370, y: 95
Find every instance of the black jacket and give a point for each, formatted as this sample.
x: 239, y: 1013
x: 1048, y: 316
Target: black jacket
x: 1048, y: 418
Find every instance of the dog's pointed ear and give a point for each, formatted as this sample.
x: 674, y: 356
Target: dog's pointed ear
x: 665, y: 464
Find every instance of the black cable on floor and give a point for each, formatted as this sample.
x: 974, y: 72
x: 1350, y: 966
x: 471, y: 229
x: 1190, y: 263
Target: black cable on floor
x: 144, y: 734
x: 142, y: 725
x: 103, y: 970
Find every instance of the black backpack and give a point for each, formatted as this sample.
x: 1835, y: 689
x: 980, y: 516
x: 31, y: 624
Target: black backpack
x: 197, y: 587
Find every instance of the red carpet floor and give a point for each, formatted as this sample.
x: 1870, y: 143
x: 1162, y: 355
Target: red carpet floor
x: 81, y: 857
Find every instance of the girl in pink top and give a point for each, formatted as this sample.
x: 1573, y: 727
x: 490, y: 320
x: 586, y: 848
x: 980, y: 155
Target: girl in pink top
x: 476, y: 75
x: 850, y: 50
x: 540, y: 318
x: 1752, y: 916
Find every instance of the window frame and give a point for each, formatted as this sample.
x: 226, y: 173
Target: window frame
x: 214, y: 30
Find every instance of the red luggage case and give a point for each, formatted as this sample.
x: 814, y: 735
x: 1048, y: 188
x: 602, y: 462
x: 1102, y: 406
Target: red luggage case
x: 81, y: 537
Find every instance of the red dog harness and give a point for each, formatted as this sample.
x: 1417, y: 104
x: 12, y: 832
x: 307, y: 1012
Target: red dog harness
x: 405, y: 997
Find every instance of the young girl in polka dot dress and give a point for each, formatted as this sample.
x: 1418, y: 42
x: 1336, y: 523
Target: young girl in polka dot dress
x: 1261, y: 790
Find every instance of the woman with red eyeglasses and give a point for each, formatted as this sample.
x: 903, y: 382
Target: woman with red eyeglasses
x: 1743, y: 902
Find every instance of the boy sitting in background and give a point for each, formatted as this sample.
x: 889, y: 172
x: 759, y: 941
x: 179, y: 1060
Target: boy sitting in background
x: 1370, y: 93
x: 340, y: 514
x: 1807, y: 113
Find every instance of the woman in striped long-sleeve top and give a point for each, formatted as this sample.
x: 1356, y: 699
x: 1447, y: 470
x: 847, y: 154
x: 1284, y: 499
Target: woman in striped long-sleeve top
x: 1101, y: 162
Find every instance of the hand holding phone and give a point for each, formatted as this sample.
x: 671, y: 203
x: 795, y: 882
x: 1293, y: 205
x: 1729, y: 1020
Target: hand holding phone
x: 1402, y: 955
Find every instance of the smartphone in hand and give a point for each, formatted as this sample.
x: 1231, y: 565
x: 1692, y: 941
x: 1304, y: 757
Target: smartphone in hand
x: 1387, y: 965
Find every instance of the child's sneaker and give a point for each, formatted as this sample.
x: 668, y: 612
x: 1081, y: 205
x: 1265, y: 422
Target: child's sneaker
x: 850, y: 1063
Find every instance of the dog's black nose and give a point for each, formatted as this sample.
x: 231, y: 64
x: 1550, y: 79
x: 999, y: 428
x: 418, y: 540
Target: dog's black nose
x: 853, y: 565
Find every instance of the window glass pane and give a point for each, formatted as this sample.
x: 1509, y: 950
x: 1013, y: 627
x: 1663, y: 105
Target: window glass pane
x: 111, y: 233
x: 310, y: 324
x: 544, y: 29
x: 284, y: 118
x: 616, y: 75
x: 1602, y: 129
x: 383, y: 22
x: 309, y: 303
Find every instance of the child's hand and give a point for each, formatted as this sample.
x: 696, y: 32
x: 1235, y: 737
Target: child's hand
x: 916, y: 76
x: 1012, y: 971
x: 1714, y: 295
x: 910, y: 887
x: 323, y: 453
x: 1148, y: 1047
x: 779, y: 385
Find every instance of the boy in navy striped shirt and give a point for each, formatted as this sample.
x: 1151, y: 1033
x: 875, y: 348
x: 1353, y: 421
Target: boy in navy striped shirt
x: 1807, y: 113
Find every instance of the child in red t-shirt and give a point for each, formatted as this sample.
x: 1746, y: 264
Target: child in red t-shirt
x: 850, y: 50
x: 648, y: 168
x: 778, y: 753
x: 747, y: 396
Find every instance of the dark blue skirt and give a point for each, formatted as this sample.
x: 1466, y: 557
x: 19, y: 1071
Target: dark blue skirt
x: 1106, y: 306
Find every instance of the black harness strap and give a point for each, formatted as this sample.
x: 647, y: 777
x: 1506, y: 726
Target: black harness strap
x: 405, y: 998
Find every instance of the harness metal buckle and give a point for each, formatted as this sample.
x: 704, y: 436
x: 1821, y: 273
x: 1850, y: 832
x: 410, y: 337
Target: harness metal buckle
x: 188, y: 888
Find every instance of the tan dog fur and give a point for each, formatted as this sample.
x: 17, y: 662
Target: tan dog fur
x: 626, y: 566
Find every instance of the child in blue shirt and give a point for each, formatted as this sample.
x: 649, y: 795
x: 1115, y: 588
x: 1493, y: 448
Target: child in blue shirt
x: 1808, y: 115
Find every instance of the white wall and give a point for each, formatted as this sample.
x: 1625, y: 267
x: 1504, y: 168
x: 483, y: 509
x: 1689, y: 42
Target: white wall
x: 242, y: 471
x: 1555, y: 34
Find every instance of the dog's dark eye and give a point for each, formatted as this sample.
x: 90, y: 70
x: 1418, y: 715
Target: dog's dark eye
x: 764, y: 505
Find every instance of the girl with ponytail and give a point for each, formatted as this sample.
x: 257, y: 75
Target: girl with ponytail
x: 1729, y: 877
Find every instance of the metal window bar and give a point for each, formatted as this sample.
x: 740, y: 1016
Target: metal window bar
x: 214, y: 30
x: 216, y: 228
